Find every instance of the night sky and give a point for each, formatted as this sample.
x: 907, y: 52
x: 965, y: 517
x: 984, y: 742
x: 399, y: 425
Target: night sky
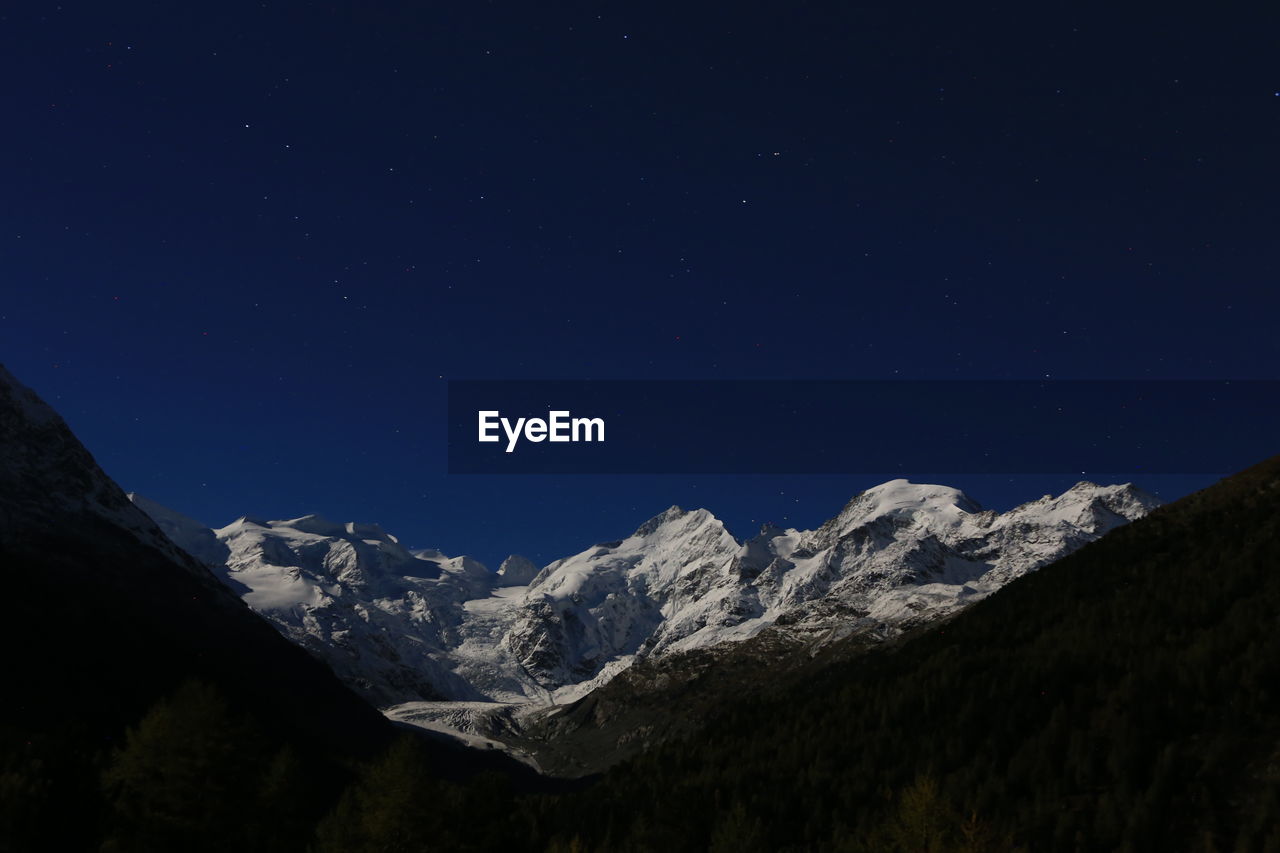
x: 241, y: 250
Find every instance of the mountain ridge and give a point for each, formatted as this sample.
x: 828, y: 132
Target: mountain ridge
x: 417, y: 626
x: 112, y: 606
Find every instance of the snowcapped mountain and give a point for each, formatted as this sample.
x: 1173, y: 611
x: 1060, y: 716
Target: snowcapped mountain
x: 517, y: 571
x: 395, y: 624
x: 896, y: 555
x: 617, y: 598
x: 419, y: 627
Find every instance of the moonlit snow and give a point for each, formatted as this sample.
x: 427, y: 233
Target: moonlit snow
x: 436, y: 640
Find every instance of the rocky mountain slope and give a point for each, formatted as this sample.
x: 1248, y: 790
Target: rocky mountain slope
x: 108, y: 615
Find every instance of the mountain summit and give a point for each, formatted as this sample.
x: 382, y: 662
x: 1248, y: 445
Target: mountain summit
x: 406, y: 626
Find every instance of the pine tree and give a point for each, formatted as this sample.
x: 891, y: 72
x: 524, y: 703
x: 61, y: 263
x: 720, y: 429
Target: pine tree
x: 391, y: 808
x: 185, y: 778
x: 738, y: 831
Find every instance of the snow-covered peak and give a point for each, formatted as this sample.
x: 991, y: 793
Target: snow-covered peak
x: 605, y: 603
x: 1088, y: 505
x: 517, y: 571
x: 380, y: 615
x: 902, y: 497
x: 471, y: 575
x: 668, y: 515
x: 353, y: 553
x: 321, y: 526
x: 187, y: 533
x: 929, y: 505
x: 648, y: 559
x: 311, y: 523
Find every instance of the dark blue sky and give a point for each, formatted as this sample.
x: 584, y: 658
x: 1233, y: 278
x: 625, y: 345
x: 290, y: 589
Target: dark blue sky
x: 243, y: 248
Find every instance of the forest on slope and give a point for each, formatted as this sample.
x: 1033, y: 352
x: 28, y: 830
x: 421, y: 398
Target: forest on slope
x: 1124, y: 698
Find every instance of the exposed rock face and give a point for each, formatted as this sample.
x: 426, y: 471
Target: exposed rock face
x: 517, y: 571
